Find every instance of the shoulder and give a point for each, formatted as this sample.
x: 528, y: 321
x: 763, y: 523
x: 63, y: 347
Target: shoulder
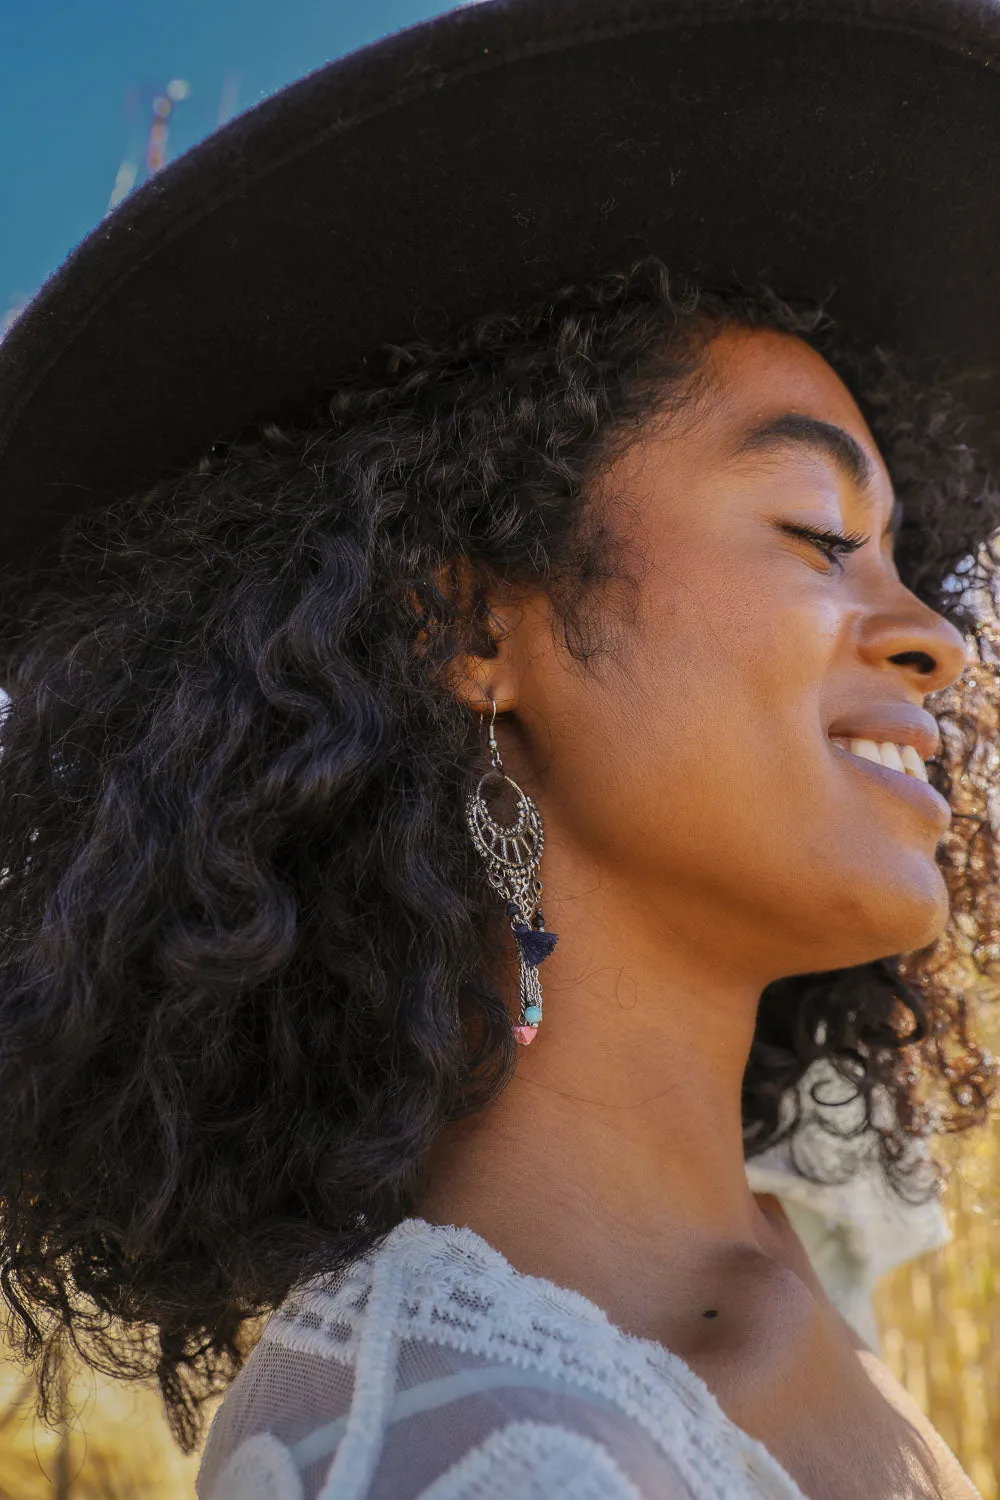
x: 460, y: 1437
x: 431, y: 1369
x: 531, y: 1460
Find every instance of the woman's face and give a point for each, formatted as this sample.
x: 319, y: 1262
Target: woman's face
x: 694, y: 770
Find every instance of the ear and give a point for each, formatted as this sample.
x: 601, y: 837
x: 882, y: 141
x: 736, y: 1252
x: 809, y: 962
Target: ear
x: 479, y: 679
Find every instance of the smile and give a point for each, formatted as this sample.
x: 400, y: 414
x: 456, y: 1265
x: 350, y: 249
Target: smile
x: 895, y: 757
x: 898, y: 767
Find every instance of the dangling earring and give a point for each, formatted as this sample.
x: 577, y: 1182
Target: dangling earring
x: 513, y: 853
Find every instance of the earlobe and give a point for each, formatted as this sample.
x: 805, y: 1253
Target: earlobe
x: 477, y: 682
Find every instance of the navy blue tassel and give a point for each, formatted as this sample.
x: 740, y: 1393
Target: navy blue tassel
x: 535, y: 946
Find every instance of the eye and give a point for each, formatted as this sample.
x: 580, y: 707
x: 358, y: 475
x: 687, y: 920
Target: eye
x: 834, y: 545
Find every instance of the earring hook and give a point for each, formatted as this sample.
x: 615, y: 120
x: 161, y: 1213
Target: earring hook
x: 491, y: 739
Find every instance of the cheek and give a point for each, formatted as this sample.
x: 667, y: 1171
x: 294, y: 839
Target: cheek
x: 729, y: 679
x: 694, y: 762
x: 704, y: 723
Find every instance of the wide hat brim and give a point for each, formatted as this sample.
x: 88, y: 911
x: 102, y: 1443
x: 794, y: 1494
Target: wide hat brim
x: 483, y: 157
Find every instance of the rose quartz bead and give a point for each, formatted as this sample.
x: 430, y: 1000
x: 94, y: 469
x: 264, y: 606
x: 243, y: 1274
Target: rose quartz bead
x: 525, y: 1034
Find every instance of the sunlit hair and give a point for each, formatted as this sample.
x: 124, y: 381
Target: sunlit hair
x: 246, y: 945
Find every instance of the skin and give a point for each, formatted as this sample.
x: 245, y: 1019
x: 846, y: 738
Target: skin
x: 703, y: 838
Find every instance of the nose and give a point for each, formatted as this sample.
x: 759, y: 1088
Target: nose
x: 916, y: 640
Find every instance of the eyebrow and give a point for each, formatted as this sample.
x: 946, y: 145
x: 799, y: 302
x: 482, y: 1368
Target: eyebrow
x: 794, y: 429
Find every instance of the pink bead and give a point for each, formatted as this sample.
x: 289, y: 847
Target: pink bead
x: 525, y: 1034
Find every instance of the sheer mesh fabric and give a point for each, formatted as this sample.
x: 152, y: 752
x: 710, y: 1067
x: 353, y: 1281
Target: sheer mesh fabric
x: 301, y: 1401
x: 433, y: 1370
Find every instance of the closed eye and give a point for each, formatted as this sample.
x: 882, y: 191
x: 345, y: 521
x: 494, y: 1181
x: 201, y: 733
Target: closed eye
x: 834, y: 545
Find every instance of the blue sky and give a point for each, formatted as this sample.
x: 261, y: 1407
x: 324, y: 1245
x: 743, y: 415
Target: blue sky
x: 80, y: 78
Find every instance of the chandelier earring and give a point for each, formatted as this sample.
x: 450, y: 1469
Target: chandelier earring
x: 512, y: 853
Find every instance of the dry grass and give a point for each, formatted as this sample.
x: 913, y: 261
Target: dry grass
x: 117, y: 1446
x: 940, y: 1315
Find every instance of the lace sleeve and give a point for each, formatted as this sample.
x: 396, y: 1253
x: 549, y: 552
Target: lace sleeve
x: 459, y: 1428
x: 534, y: 1461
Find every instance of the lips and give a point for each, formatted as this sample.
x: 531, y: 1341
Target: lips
x: 896, y: 726
x: 891, y: 750
x: 895, y: 756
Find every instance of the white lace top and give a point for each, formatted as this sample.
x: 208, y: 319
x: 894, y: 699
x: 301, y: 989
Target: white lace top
x: 433, y: 1370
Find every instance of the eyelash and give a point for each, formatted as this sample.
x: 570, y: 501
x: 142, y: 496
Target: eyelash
x: 835, y: 545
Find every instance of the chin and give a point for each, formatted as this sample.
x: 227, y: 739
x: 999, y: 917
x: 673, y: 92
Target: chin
x: 915, y: 923
x: 901, y: 910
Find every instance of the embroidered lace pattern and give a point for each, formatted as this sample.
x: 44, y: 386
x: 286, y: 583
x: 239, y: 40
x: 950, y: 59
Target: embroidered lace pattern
x: 433, y: 1370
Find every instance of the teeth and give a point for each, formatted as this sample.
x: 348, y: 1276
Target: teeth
x: 867, y: 749
x: 912, y: 762
x: 891, y: 756
x: 902, y: 758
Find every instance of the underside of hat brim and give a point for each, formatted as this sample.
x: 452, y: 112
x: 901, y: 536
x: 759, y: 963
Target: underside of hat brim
x: 845, y: 150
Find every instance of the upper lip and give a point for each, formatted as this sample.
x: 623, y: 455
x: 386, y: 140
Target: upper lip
x: 902, y: 725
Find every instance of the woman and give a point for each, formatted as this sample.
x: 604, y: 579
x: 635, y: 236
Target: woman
x: 642, y: 587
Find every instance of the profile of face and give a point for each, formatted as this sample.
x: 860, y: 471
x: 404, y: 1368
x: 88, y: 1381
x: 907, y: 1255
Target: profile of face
x: 699, y: 774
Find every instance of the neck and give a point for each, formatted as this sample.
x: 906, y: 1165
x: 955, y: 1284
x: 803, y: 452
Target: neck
x: 619, y: 1140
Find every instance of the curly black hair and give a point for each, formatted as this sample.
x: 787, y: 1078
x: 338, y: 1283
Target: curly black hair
x: 245, y: 946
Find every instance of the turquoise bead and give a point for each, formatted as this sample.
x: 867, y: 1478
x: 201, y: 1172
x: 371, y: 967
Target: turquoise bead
x: 532, y: 1015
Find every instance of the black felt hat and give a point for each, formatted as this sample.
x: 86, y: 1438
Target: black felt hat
x: 485, y: 156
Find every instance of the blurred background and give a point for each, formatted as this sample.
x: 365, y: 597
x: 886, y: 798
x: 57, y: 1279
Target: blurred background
x: 96, y: 98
